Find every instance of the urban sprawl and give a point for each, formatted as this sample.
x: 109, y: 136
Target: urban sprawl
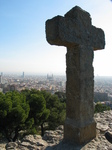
x: 52, y: 84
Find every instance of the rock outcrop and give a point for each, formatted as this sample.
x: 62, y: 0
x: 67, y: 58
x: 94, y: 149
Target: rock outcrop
x: 53, y: 140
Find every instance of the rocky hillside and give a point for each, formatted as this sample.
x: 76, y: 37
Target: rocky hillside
x: 53, y: 140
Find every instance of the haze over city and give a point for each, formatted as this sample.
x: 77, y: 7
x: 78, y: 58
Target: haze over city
x: 23, y: 45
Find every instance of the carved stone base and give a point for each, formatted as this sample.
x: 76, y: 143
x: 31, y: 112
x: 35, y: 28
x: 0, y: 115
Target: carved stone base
x: 79, y: 134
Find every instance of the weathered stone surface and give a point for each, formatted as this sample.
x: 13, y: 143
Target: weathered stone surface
x: 102, y: 128
x: 81, y: 38
x: 53, y: 137
x: 33, y: 141
x: 11, y: 145
x: 74, y: 29
x: 79, y: 91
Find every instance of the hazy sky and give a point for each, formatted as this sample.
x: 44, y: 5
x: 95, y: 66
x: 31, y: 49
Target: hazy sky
x: 23, y: 45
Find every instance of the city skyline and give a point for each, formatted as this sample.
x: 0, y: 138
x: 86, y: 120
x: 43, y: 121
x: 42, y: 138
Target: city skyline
x: 23, y: 45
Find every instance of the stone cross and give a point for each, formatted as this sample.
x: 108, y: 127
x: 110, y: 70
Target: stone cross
x: 81, y: 38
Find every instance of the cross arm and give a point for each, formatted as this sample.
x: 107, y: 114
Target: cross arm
x: 65, y: 31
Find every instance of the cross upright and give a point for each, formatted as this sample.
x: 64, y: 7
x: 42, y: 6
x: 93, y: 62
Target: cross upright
x: 81, y: 38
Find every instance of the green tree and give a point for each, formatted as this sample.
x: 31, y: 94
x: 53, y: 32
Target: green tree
x: 45, y: 109
x: 57, y: 110
x: 100, y: 108
x: 13, y: 112
x: 38, y: 110
x: 61, y: 96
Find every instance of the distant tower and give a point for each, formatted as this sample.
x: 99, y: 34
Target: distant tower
x: 23, y: 75
x: 0, y: 79
x: 50, y: 77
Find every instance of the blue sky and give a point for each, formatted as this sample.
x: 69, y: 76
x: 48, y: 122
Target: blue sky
x: 23, y: 45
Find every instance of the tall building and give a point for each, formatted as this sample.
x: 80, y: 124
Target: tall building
x: 50, y: 77
x: 23, y: 75
x: 0, y: 79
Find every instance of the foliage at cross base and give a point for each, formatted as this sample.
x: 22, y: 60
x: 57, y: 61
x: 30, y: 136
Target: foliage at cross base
x: 101, y: 108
